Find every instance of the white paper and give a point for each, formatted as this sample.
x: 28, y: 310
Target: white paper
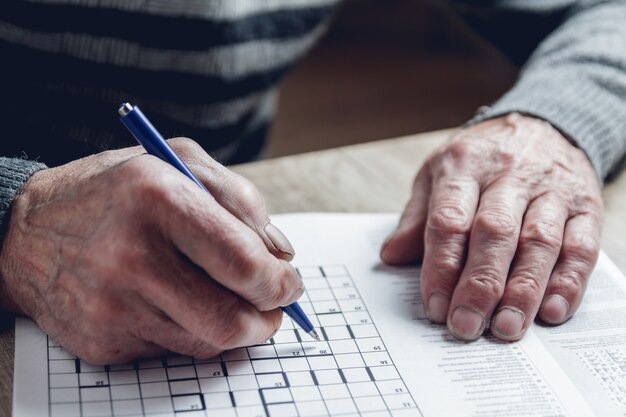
x: 379, y: 356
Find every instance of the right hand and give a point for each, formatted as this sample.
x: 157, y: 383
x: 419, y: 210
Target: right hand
x: 119, y: 256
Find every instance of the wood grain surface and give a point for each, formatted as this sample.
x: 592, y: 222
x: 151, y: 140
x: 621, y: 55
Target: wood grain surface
x: 373, y: 177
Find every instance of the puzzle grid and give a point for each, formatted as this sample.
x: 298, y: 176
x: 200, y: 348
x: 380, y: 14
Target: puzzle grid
x: 348, y: 373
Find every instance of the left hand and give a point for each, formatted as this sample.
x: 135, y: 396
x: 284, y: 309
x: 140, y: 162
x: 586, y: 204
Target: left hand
x: 507, y: 217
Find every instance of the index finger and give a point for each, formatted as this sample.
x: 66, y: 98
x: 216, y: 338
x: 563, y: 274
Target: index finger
x: 219, y: 243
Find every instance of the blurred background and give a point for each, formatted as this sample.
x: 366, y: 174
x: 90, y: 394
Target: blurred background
x: 387, y: 68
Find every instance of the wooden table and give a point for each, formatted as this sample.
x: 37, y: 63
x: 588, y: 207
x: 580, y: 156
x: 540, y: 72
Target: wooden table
x: 373, y: 177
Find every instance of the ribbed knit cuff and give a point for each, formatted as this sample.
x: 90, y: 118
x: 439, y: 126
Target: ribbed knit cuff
x: 593, y: 117
x: 14, y: 172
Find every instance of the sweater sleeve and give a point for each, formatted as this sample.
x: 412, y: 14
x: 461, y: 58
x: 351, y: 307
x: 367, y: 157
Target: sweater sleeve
x: 14, y: 172
x: 574, y: 73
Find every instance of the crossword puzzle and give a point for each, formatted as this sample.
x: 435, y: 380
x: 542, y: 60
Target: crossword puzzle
x: 348, y: 373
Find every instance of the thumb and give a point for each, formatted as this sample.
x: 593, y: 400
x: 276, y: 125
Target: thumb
x: 406, y: 243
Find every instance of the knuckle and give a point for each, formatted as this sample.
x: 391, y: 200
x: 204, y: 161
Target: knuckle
x: 497, y: 224
x: 458, y: 149
x: 276, y: 290
x: 545, y: 234
x: 486, y: 285
x: 583, y: 249
x: 449, y: 219
x: 527, y: 284
x: 249, y: 197
x: 572, y: 282
x: 448, y: 264
x: 183, y: 144
x: 231, y: 326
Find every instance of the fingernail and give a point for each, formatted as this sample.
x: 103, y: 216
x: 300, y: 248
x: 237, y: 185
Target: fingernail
x: 466, y: 324
x: 554, y: 309
x: 508, y: 322
x: 279, y: 240
x: 437, y: 309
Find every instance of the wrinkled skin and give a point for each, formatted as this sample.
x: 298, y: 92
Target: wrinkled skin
x: 507, y: 219
x: 119, y: 256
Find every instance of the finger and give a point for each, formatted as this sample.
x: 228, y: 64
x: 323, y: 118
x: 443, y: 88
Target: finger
x: 236, y: 194
x: 581, y: 245
x: 452, y: 208
x: 537, y: 251
x: 224, y: 247
x: 492, y: 246
x: 406, y: 243
x: 207, y: 310
x: 155, y: 327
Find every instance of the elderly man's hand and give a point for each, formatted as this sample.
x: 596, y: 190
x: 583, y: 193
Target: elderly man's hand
x: 119, y: 256
x: 507, y: 217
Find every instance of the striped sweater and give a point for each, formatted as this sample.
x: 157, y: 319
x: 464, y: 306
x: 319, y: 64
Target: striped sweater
x: 209, y: 69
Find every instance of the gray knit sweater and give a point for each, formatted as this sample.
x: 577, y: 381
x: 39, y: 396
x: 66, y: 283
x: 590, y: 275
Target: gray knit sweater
x: 213, y: 72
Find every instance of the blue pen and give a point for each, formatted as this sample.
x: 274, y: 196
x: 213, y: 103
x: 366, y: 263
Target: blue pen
x: 149, y: 137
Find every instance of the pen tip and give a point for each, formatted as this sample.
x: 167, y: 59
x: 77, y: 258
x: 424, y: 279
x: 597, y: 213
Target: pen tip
x: 314, y: 335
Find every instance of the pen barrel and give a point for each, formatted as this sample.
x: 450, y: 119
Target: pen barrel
x: 149, y: 137
x: 297, y: 314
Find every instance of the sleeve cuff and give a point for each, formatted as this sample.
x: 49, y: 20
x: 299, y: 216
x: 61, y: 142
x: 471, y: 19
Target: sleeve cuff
x: 14, y: 172
x: 589, y: 115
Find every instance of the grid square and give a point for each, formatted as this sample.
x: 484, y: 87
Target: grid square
x: 63, y: 366
x: 334, y: 270
x: 271, y: 380
x: 64, y: 395
x: 217, y: 400
x: 125, y: 392
x: 349, y: 360
x: 63, y: 380
x: 181, y: 372
x: 95, y: 394
x: 127, y: 407
x: 309, y: 393
x: 356, y: 375
x: 298, y: 379
x: 312, y: 409
x: 65, y: 410
x: 248, y: 397
x: 282, y: 410
x: 209, y: 370
x: 264, y: 351
x: 341, y: 406
x: 187, y: 403
x: 209, y: 385
x: 158, y: 405
x: 327, y: 320
x: 277, y: 395
x: 382, y: 373
x: 310, y: 272
x: 266, y: 365
x: 327, y: 377
x: 365, y: 404
x: 123, y: 377
x: 322, y: 362
x: 242, y: 382
x: 96, y: 409
x: 337, y: 332
x: 364, y: 330
x: 239, y: 368
x: 184, y: 387
x: 294, y: 364
x: 285, y: 336
x: 363, y: 389
x: 333, y: 392
x: 155, y: 389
